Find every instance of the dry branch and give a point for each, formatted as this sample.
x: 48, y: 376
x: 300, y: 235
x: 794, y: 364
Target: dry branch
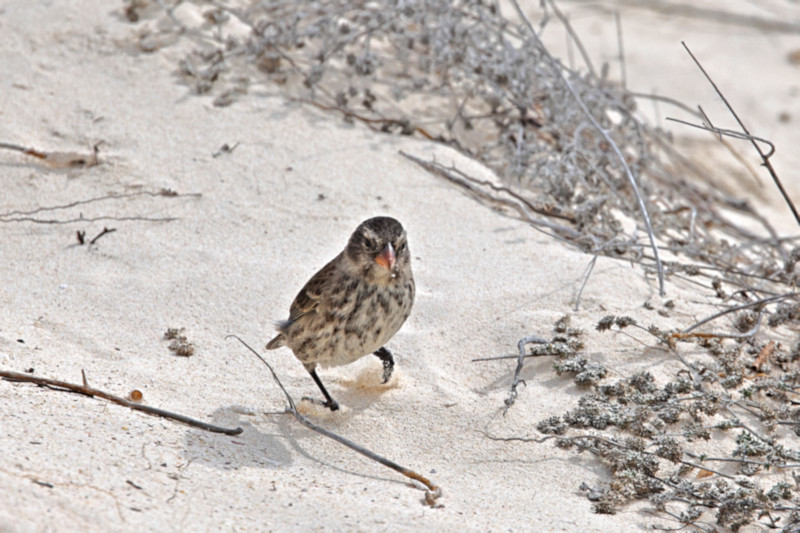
x: 764, y: 157
x: 58, y: 159
x: 432, y: 493
x: 86, y: 390
x: 757, y: 303
x: 512, y: 396
x: 28, y: 216
x: 518, y: 203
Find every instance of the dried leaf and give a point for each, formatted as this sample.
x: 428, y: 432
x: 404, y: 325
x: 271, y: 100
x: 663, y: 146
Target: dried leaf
x: 766, y: 352
x: 703, y: 473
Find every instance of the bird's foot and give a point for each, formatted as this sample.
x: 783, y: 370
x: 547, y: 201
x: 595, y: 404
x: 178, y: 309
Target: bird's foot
x: 330, y: 404
x: 388, y: 368
x: 388, y: 363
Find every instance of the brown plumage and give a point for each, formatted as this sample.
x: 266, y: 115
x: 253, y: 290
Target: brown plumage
x: 354, y: 304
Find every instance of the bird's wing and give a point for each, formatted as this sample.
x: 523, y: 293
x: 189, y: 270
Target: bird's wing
x: 309, y: 296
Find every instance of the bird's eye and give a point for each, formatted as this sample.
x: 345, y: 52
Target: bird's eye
x: 369, y: 244
x: 400, y: 247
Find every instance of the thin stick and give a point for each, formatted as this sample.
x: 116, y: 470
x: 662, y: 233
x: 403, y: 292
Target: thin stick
x: 681, y: 520
x: 530, y: 339
x: 621, y: 47
x: 27, y: 151
x: 432, y: 493
x: 724, y: 131
x: 764, y: 157
x: 105, y: 231
x: 666, y: 99
x: 608, y: 139
x: 25, y: 216
x: 586, y: 275
x: 741, y: 461
x: 501, y: 357
x: 89, y: 219
x: 597, y: 438
x: 168, y: 193
x: 575, y: 39
x: 746, y: 335
x: 763, y: 301
x: 91, y: 391
x: 58, y: 160
x: 524, y: 207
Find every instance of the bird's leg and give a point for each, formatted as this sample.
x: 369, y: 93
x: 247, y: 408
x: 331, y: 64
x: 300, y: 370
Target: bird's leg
x: 388, y: 362
x: 329, y: 402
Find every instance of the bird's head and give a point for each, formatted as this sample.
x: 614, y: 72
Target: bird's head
x: 378, y: 249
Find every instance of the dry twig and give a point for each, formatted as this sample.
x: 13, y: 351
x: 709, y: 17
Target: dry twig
x: 757, y: 303
x: 764, y: 355
x: 432, y: 492
x: 586, y: 275
x: 58, y: 159
x: 105, y: 231
x: 517, y: 202
x: 512, y: 396
x: 764, y: 156
x: 86, y: 390
x: 27, y: 216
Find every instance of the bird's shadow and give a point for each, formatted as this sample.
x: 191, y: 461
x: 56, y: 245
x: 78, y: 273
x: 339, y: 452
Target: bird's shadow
x: 253, y: 447
x: 273, y: 440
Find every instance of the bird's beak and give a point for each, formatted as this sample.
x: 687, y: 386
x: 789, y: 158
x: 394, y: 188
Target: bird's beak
x: 387, y: 258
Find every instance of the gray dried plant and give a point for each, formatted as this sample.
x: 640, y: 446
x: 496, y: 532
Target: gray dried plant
x: 568, y: 142
x: 656, y: 435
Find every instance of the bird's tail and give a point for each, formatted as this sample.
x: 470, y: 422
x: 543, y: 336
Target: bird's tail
x: 280, y: 338
x: 277, y: 342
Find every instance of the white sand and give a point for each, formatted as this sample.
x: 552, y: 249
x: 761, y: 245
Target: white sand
x: 271, y: 213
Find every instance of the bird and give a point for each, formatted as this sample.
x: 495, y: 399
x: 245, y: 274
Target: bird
x: 353, y: 305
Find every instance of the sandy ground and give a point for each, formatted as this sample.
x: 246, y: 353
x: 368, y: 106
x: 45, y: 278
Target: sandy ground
x: 249, y: 228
